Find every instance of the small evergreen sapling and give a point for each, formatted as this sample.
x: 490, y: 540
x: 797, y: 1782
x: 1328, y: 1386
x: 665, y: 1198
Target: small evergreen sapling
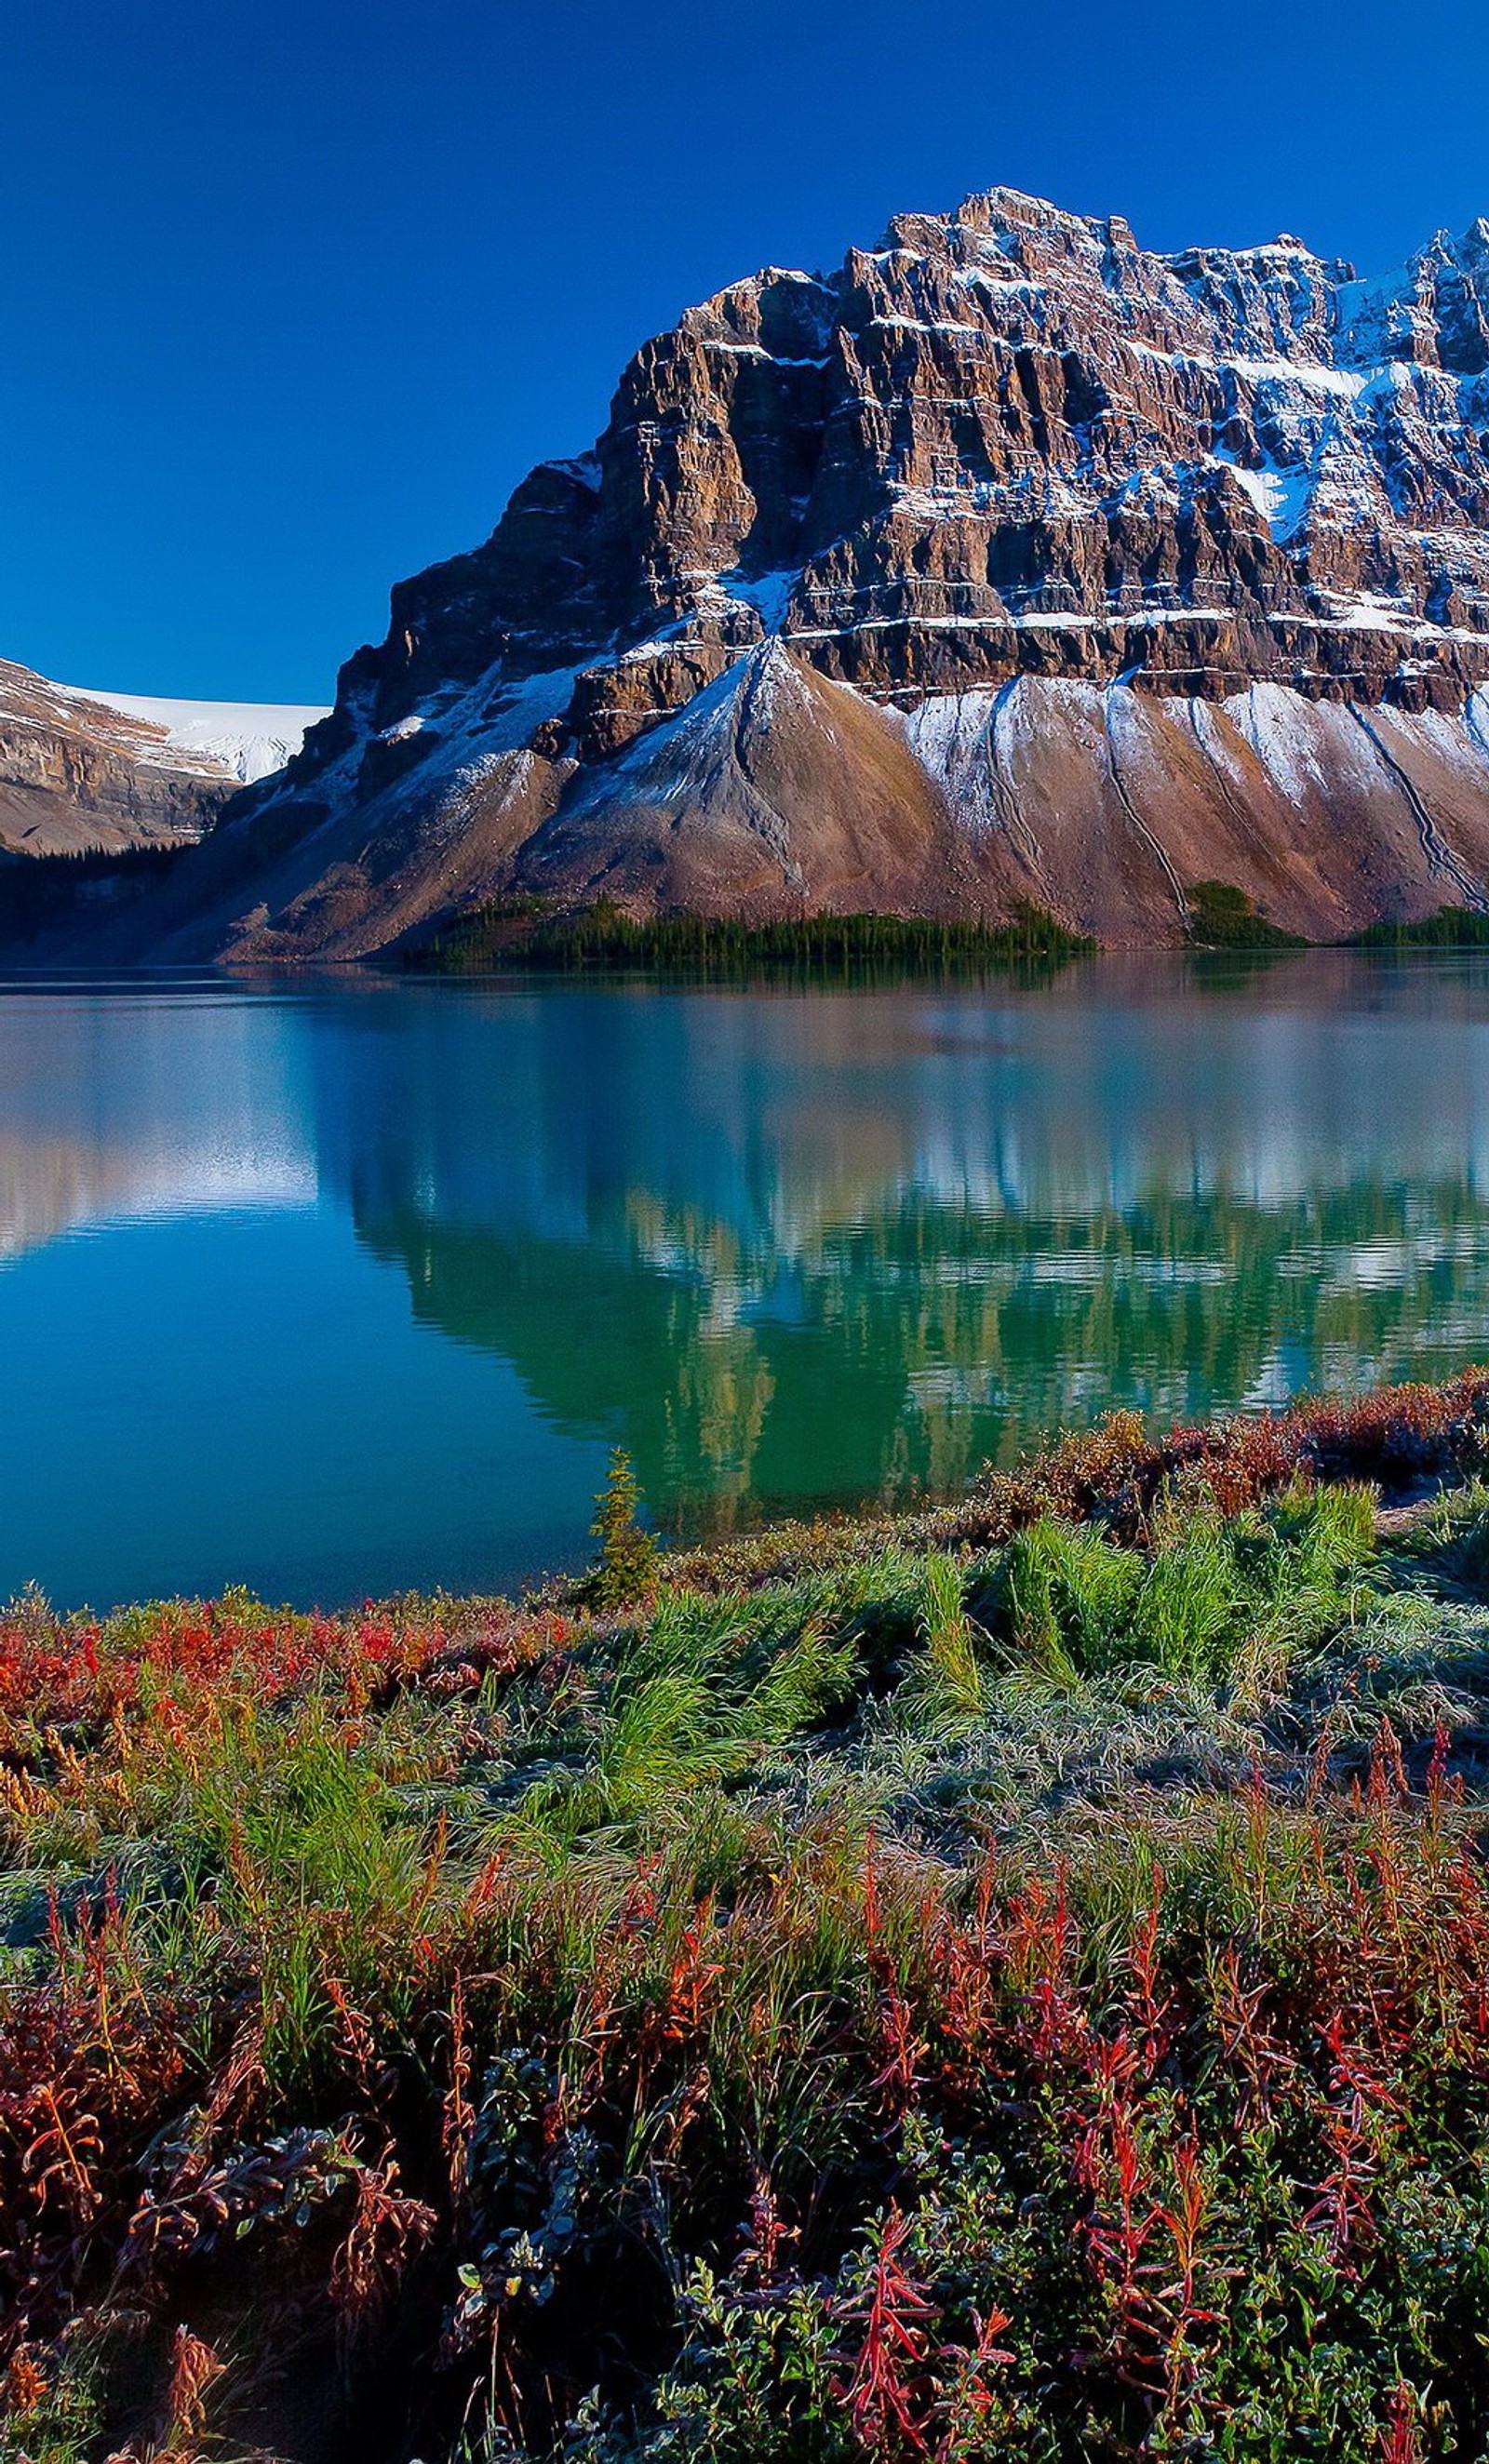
x: 627, y: 1567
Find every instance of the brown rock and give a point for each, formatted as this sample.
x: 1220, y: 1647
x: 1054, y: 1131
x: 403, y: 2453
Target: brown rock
x: 77, y: 775
x: 1141, y: 570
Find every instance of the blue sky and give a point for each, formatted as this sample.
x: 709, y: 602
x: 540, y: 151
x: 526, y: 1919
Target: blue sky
x: 293, y: 294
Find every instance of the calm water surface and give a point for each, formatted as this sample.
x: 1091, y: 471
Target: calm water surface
x: 333, y: 1288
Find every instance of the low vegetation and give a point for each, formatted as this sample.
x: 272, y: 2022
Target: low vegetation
x: 1011, y: 1981
x: 1222, y: 917
x: 1451, y: 927
x: 603, y: 940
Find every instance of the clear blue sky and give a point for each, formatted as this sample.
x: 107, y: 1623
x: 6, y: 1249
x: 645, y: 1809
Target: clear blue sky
x: 296, y: 290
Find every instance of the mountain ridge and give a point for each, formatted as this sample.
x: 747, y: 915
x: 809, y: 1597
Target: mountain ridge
x: 1129, y: 563
x: 98, y: 772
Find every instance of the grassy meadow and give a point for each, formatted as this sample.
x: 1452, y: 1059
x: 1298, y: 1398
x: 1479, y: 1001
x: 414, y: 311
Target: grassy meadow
x: 1010, y: 1981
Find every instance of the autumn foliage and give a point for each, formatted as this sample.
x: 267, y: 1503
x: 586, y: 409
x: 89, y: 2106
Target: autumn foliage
x: 868, y: 2006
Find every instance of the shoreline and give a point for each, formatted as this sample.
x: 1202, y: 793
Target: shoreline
x: 556, y: 2031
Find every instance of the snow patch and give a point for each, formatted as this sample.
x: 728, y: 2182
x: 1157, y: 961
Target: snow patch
x: 767, y: 593
x: 1313, y: 375
x: 248, y: 740
x: 758, y: 351
x: 1288, y: 735
x: 583, y: 467
x: 951, y: 736
x: 1041, y: 621
x: 920, y: 325
x: 1280, y: 497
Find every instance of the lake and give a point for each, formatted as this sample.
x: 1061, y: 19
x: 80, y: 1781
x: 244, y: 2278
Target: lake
x: 339, y: 1287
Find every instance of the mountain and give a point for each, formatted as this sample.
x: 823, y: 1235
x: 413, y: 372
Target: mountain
x: 1011, y: 561
x: 248, y: 740
x: 82, y: 770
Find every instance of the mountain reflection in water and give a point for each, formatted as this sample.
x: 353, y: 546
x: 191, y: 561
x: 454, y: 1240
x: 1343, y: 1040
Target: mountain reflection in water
x: 792, y: 1248
x: 828, y: 1246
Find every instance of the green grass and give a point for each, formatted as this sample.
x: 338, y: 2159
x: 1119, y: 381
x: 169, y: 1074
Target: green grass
x: 1008, y: 1981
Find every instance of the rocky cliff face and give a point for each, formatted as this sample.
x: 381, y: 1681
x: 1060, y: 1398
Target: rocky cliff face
x: 1009, y: 560
x: 75, y: 775
x: 83, y: 772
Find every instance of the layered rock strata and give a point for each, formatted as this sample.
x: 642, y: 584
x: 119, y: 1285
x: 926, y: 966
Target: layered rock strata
x: 92, y: 773
x: 1010, y: 560
x: 77, y: 776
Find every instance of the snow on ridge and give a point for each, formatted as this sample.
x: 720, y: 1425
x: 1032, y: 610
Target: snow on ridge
x: 1315, y: 376
x: 758, y: 351
x: 937, y: 326
x: 247, y: 740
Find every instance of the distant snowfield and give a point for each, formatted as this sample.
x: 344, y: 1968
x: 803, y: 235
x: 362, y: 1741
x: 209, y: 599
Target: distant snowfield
x: 248, y: 738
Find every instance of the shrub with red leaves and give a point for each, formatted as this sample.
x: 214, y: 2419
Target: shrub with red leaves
x: 436, y: 2031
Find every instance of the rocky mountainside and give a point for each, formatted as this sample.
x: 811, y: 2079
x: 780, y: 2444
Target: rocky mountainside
x: 1012, y: 559
x: 82, y: 771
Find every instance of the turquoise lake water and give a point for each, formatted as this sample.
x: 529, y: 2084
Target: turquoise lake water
x: 337, y: 1288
